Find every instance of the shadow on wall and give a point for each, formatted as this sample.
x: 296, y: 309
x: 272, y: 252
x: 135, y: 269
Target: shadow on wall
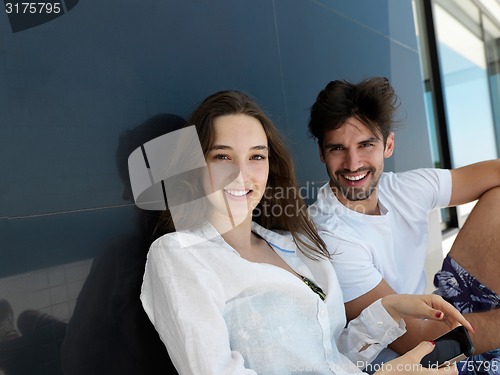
x: 109, y: 332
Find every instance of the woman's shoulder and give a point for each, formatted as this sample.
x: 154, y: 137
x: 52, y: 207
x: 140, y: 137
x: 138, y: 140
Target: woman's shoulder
x: 177, y: 251
x: 187, y: 237
x: 177, y: 241
x: 171, y: 239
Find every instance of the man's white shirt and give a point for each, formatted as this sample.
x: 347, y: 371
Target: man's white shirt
x: 393, y: 245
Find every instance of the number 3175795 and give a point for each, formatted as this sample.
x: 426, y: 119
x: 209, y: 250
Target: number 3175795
x: 33, y: 8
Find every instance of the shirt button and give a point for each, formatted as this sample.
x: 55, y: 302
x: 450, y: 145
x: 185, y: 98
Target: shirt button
x: 380, y: 324
x: 322, y: 313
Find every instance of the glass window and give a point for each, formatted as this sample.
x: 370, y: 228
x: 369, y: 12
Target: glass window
x: 465, y: 90
x: 438, y: 138
x: 492, y: 43
x: 459, y: 43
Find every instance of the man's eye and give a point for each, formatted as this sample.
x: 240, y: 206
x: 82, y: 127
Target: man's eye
x: 366, y: 144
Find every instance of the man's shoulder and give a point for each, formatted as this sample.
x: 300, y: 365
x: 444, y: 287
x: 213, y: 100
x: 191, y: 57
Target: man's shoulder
x: 326, y: 204
x: 413, y: 179
x: 417, y: 190
x: 327, y: 211
x: 336, y: 223
x: 398, y: 177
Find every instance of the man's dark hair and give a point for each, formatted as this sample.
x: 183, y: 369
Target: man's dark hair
x: 372, y: 101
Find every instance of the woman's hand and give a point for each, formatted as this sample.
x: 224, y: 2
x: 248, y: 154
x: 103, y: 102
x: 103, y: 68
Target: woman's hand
x: 425, y: 306
x: 409, y: 363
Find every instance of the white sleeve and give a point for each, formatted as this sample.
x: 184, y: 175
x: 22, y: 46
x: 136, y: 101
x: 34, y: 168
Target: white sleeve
x: 184, y: 300
x: 427, y: 187
x: 353, y: 265
x: 368, y: 334
x: 441, y: 181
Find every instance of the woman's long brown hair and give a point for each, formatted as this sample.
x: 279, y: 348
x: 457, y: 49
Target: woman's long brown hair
x: 281, y: 208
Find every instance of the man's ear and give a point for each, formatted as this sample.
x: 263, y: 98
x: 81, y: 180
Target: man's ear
x: 320, y: 153
x: 389, y: 145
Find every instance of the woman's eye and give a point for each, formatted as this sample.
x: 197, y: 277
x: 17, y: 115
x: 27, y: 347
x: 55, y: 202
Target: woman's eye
x: 221, y: 157
x: 258, y: 157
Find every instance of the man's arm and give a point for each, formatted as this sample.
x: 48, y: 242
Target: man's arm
x: 471, y: 181
x: 486, y: 324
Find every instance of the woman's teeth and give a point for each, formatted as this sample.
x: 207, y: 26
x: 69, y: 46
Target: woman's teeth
x: 237, y: 193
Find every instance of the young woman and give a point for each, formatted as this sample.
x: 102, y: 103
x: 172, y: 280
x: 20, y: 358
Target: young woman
x: 245, y: 287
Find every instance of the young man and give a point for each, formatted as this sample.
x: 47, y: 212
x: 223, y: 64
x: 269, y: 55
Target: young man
x: 376, y: 224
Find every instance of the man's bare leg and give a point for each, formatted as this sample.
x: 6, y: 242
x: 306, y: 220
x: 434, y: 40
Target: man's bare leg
x: 477, y: 246
x: 477, y: 250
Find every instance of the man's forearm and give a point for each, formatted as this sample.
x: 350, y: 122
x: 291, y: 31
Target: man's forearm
x: 487, y: 326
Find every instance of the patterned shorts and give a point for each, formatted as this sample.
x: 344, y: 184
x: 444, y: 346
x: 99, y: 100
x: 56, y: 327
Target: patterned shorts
x: 468, y: 295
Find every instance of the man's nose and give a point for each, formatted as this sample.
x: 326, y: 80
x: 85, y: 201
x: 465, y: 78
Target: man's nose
x: 352, y: 161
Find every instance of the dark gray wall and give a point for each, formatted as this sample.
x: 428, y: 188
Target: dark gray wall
x: 71, y: 86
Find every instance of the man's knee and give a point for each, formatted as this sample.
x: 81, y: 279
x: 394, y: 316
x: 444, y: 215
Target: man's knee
x: 491, y: 196
x: 485, y: 212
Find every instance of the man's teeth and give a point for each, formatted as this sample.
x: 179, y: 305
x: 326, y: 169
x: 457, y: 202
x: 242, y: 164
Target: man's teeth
x: 355, y: 178
x: 237, y: 193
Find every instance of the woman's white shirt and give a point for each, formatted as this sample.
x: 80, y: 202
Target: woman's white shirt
x: 218, y: 313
